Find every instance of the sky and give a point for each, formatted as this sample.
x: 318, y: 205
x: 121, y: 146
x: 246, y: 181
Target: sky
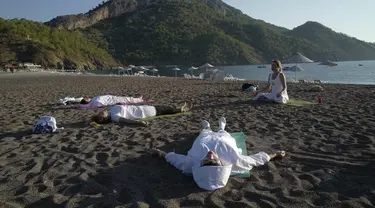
x: 351, y: 17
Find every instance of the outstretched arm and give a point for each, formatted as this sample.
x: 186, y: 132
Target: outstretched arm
x: 181, y: 162
x: 261, y: 158
x: 133, y: 122
x: 266, y: 88
x: 247, y: 162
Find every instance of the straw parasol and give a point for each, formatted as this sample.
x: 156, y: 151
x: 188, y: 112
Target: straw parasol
x: 206, y: 65
x: 297, y: 58
x: 294, y: 69
x: 153, y: 71
x: 192, y: 69
x: 175, y: 71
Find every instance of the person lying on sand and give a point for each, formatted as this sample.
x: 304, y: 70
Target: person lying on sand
x: 107, y: 100
x: 276, y: 84
x: 130, y: 114
x: 214, y: 156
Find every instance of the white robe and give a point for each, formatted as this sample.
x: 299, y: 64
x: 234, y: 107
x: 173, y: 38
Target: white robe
x: 107, y: 100
x: 224, y: 145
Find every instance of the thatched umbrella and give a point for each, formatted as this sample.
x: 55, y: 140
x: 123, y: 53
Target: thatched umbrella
x: 297, y: 58
x: 175, y: 71
x: 294, y: 69
x: 153, y: 71
x: 192, y: 69
x: 206, y: 65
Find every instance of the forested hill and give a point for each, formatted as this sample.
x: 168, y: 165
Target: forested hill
x: 185, y: 32
x: 337, y: 46
x: 28, y: 41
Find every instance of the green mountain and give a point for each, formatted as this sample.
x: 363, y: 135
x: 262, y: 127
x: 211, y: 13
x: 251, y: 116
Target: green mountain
x: 182, y: 32
x: 28, y: 41
x: 336, y: 46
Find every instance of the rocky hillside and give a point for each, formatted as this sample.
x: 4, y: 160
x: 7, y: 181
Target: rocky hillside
x: 115, y: 8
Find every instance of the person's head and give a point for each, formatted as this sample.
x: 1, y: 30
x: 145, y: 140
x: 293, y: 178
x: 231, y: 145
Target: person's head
x: 276, y: 66
x: 102, y: 117
x: 211, y: 159
x: 212, y: 173
x: 85, y: 100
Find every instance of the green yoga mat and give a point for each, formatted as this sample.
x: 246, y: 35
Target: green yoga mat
x: 165, y: 116
x: 240, y: 141
x: 299, y: 103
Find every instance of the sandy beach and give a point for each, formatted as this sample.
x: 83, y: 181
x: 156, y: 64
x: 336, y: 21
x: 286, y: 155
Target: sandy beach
x: 330, y: 147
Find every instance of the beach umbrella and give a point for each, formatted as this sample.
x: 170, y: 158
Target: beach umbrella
x: 192, y: 69
x: 153, y: 71
x: 297, y: 58
x: 206, y: 65
x: 175, y: 71
x: 141, y: 72
x: 295, y: 69
x: 146, y: 69
x: 142, y: 68
x: 328, y: 63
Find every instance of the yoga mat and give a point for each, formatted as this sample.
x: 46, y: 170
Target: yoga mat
x: 165, y: 116
x: 299, y: 103
x: 240, y: 141
x: 125, y: 103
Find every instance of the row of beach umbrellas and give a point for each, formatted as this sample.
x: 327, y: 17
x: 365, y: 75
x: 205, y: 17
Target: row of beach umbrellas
x: 142, y: 69
x: 193, y: 68
x: 295, y: 58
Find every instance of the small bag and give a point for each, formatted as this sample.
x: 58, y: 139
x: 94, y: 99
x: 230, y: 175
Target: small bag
x: 45, y: 124
x: 246, y: 86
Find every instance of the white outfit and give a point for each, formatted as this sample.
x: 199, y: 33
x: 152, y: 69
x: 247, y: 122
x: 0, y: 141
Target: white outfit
x: 224, y: 145
x: 131, y: 112
x: 106, y: 100
x: 276, y: 87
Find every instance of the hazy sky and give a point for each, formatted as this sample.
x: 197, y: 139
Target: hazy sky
x: 351, y: 17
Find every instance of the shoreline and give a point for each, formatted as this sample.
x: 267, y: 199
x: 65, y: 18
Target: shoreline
x: 49, y: 73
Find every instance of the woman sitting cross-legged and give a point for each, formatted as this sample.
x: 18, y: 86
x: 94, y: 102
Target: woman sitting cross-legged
x: 276, y: 84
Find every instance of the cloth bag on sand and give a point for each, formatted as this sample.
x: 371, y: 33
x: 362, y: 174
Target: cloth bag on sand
x: 45, y: 124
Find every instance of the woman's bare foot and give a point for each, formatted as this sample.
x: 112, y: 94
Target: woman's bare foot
x: 158, y: 153
x: 277, y: 155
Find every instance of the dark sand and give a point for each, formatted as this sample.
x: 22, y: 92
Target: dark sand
x: 330, y: 158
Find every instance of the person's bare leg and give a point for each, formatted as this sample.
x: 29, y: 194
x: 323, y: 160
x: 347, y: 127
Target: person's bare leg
x: 277, y: 155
